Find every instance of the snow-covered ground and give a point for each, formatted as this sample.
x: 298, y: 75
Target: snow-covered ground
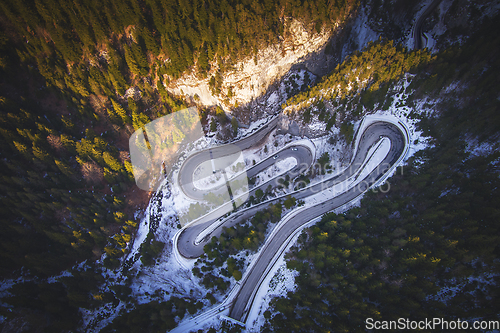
x: 410, y: 42
x: 205, y: 179
x: 398, y: 111
x: 401, y: 111
x: 445, y: 21
x: 254, y: 126
x: 361, y: 33
x: 375, y: 155
x: 477, y: 282
x: 276, y: 170
x: 5, y: 285
x: 481, y: 149
x: 273, y: 145
x: 166, y: 277
x: 279, y: 282
x: 173, y: 274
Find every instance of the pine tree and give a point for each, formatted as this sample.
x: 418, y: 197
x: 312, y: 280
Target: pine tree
x: 234, y: 125
x: 132, y: 105
x: 139, y: 120
x: 65, y: 169
x: 140, y: 59
x: 151, y: 44
x: 131, y: 63
x: 121, y: 112
x: 111, y: 161
x: 213, y: 126
x: 117, y: 79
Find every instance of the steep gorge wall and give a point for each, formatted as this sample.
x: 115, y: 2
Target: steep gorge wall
x: 252, y: 77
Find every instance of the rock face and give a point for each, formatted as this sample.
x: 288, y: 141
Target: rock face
x: 252, y: 77
x: 287, y: 125
x: 290, y: 126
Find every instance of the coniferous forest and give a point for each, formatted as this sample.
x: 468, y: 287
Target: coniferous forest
x: 67, y: 190
x: 77, y: 78
x: 429, y: 246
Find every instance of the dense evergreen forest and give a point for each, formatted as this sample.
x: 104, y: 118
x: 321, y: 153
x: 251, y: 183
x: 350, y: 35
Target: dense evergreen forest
x: 428, y: 248
x: 99, y: 47
x: 77, y: 78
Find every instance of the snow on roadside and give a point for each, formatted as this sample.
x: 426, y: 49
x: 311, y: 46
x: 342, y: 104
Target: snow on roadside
x: 200, y: 181
x: 278, y: 283
x: 168, y: 275
x: 410, y: 42
x: 398, y: 111
x: 254, y: 126
x: 274, y: 143
x: 374, y: 156
x: 401, y: 111
x: 273, y: 99
x: 275, y: 170
x: 319, y: 126
x: 181, y: 202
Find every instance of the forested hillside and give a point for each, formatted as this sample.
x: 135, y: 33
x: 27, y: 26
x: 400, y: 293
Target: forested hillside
x: 99, y: 47
x: 68, y: 172
x: 77, y: 78
x: 428, y: 248
x: 354, y: 87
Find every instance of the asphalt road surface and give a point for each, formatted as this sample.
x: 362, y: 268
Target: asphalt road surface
x: 417, y: 28
x: 190, y: 248
x: 250, y: 285
x: 224, y: 156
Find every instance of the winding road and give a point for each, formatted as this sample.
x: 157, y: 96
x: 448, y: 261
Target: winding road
x: 190, y: 245
x: 417, y: 27
x: 192, y: 238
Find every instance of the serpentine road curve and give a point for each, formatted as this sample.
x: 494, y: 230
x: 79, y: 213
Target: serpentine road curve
x: 417, y: 27
x: 189, y: 247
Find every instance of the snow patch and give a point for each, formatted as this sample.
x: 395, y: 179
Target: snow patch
x: 278, y: 283
x: 275, y: 170
x: 361, y: 33
x: 485, y: 148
